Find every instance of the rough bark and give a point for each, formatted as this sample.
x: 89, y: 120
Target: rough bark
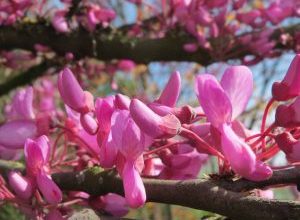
x: 109, y: 44
x: 225, y: 197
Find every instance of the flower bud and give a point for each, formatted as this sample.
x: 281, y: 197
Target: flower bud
x: 21, y: 185
x: 289, y: 87
x: 122, y: 102
x: 72, y: 94
x: 89, y: 124
x: 171, y: 91
x: 288, y: 116
x: 151, y: 123
x: 289, y: 145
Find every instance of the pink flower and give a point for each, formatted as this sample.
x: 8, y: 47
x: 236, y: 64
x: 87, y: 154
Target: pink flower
x: 135, y: 193
x: 114, y: 204
x: 289, y: 145
x: 72, y: 94
x: 37, y: 154
x: 222, y: 103
x: 249, y: 17
x: 171, y: 91
x: 21, y: 106
x: 104, y: 112
x: 59, y: 21
x: 122, y: 102
x: 130, y: 141
x: 126, y: 65
x: 9, y: 154
x: 152, y: 124
x: 96, y: 15
x: 89, y: 123
x: 277, y: 12
x: 21, y: 185
x: 13, y: 134
x: 288, y: 116
x: 181, y: 162
x: 289, y: 87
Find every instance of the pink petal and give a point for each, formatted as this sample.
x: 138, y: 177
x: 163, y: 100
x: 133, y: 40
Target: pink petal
x: 237, y: 82
x: 21, y: 185
x: 133, y: 141
x: 122, y: 102
x: 22, y: 104
x: 151, y: 123
x: 119, y: 119
x: 34, y: 157
x: 134, y: 189
x: 49, y: 189
x: 91, y: 140
x: 108, y: 152
x: 126, y: 65
x: 292, y: 77
x: 59, y: 22
x: 171, y: 91
x: 115, y: 204
x: 89, y: 124
x: 13, y: 134
x: 145, y: 118
x: 160, y: 109
x: 104, y: 110
x: 261, y: 172
x: 43, y: 144
x: 9, y: 154
x: 240, y: 156
x: 214, y: 100
x: 70, y: 90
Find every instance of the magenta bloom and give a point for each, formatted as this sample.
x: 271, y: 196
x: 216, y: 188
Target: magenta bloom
x: 126, y: 65
x: 131, y: 142
x: 181, y: 162
x: 21, y: 122
x: 115, y: 204
x: 289, y: 145
x: 21, y: 106
x: 222, y: 103
x: 72, y: 94
x: 289, y: 87
x: 59, y: 21
x: 152, y: 124
x: 22, y: 186
x: 37, y: 158
x: 288, y: 116
x: 171, y: 91
x: 13, y: 134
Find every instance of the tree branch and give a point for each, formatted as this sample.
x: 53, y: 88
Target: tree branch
x: 26, y: 77
x: 108, y: 44
x: 220, y: 196
x: 226, y: 197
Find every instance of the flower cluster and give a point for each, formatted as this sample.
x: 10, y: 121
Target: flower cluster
x: 138, y: 139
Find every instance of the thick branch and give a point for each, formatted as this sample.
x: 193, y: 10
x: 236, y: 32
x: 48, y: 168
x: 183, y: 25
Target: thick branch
x: 219, y: 196
x: 106, y: 44
x: 226, y: 197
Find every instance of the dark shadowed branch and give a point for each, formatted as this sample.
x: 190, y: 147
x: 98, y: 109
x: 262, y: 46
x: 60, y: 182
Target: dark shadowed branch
x: 108, y: 44
x: 26, y: 77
